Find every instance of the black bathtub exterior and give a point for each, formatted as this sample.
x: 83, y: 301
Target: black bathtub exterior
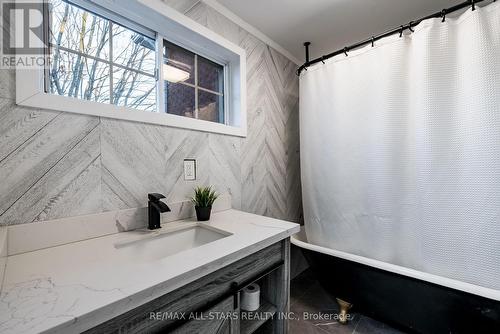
x: 404, y: 302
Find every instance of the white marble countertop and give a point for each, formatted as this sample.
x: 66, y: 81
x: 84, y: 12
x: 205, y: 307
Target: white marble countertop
x: 73, y: 287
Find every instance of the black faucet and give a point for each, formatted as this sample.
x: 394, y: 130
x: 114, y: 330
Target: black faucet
x: 155, y: 207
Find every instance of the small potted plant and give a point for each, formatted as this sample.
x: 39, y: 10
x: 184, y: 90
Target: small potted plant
x: 203, y: 199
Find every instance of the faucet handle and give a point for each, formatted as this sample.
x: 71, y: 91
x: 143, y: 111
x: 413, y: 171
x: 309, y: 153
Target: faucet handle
x: 155, y: 197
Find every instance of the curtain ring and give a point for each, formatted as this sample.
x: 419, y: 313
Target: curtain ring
x: 345, y: 51
x: 401, y: 31
x: 373, y: 41
x: 443, y: 15
x: 323, y: 59
x: 473, y: 5
x: 409, y: 26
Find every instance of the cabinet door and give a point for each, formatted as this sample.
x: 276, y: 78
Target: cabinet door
x: 220, y: 319
x: 193, y: 296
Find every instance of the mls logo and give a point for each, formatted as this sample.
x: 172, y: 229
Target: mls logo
x: 23, y: 28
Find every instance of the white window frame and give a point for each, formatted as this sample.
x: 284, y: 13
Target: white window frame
x: 175, y: 27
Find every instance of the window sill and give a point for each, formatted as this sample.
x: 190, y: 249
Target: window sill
x: 72, y: 105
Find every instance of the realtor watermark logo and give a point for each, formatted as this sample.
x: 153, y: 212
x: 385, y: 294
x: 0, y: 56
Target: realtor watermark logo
x: 23, y: 39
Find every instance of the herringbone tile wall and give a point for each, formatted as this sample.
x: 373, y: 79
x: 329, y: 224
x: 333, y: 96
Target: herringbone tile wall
x: 55, y: 165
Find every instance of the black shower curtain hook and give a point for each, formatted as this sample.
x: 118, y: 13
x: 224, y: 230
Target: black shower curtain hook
x: 409, y: 26
x: 373, y: 41
x: 443, y: 15
x: 345, y: 51
x: 323, y: 59
x: 473, y: 5
x: 401, y: 31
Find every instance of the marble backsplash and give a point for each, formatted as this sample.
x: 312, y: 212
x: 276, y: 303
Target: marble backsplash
x: 31, y: 237
x: 55, y: 165
x: 3, y: 253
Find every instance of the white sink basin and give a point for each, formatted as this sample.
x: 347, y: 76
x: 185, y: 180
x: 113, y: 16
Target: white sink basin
x: 149, y: 246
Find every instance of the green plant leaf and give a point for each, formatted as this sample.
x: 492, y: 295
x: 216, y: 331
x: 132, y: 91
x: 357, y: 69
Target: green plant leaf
x: 204, y: 196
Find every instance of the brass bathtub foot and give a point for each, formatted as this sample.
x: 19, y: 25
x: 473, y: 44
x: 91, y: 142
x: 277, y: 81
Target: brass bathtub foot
x: 344, y: 308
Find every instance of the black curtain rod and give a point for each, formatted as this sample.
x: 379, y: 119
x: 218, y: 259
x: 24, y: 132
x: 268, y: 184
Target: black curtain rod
x: 398, y: 30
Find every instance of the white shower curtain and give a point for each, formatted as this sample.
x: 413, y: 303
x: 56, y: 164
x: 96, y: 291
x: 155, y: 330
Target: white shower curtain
x: 400, y: 149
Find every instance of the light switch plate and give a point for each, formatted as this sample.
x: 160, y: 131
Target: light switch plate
x: 189, y: 169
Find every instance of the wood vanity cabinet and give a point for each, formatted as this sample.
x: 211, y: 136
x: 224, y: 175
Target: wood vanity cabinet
x: 207, y: 302
x: 205, y: 325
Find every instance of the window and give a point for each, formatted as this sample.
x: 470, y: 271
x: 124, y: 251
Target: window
x: 138, y: 61
x: 194, y: 85
x: 99, y: 60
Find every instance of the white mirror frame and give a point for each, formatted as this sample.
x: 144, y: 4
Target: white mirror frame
x: 177, y: 28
